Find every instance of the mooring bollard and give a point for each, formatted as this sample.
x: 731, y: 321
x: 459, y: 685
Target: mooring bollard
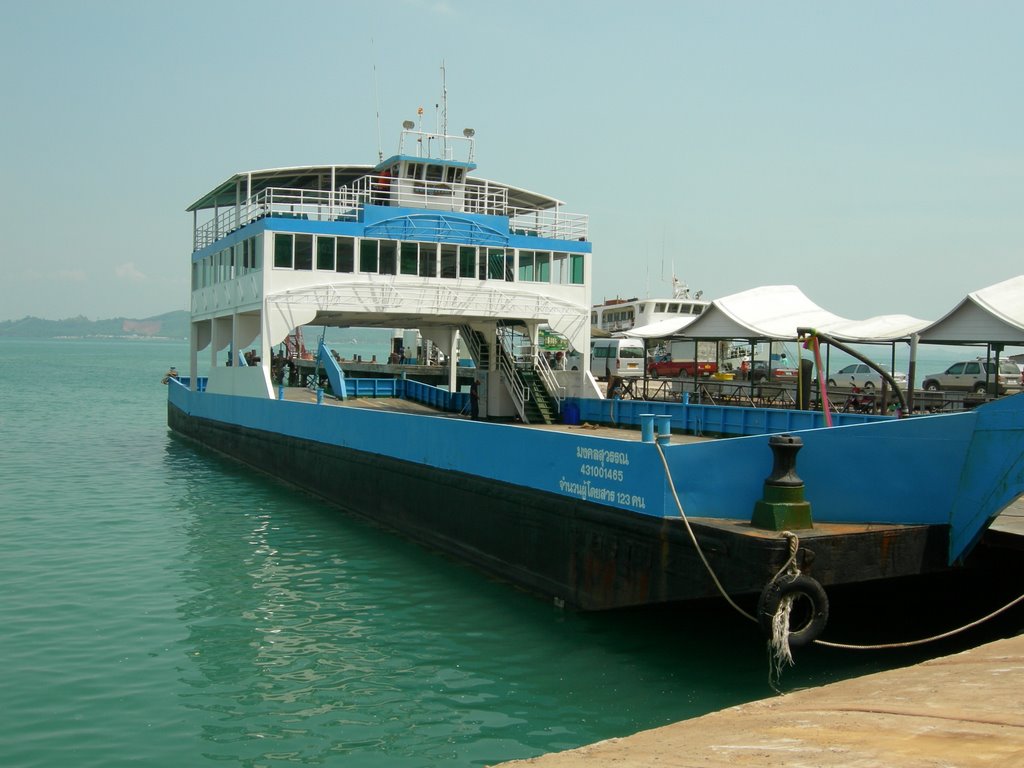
x: 664, y: 422
x: 783, y: 506
x: 280, y: 392
x: 647, y: 427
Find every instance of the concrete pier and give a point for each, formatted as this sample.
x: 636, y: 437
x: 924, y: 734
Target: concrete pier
x: 961, y: 711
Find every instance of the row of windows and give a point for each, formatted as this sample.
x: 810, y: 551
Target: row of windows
x: 228, y: 263
x: 403, y: 257
x: 612, y: 317
x: 616, y: 317
x: 389, y: 257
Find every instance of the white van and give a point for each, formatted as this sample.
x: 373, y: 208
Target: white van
x: 617, y: 357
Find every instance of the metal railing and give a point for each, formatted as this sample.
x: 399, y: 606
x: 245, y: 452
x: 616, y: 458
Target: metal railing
x: 472, y: 341
x: 345, y: 204
x: 552, y: 223
x: 507, y: 365
x: 547, y: 377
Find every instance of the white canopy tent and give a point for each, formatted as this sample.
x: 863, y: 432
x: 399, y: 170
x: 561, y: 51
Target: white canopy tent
x: 663, y: 329
x: 992, y: 315
x: 775, y: 312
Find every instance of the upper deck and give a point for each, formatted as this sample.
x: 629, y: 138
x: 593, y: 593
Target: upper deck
x: 411, y: 181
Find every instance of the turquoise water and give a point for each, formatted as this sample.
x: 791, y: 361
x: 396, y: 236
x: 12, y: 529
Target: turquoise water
x: 167, y: 607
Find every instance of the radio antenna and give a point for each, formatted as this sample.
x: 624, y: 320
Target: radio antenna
x: 376, y: 97
x: 444, y: 110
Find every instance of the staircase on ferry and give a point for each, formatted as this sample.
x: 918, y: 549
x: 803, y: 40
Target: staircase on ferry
x: 523, y: 374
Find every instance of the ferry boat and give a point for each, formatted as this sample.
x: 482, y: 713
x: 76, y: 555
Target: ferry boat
x: 617, y: 315
x: 592, y: 518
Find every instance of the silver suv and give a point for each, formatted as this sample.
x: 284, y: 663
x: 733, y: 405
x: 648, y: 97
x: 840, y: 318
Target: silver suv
x: 971, y: 376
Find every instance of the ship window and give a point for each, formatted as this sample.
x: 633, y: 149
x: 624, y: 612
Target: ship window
x: 435, y: 173
x: 448, y: 253
x: 659, y: 307
x: 698, y: 308
x: 346, y: 254
x: 577, y: 268
x: 408, y: 259
x: 526, y: 266
x: 496, y: 263
x: 195, y: 275
x: 510, y: 265
x: 428, y: 260
x: 325, y: 253
x: 388, y: 257
x: 368, y: 256
x: 303, y: 251
x: 415, y: 170
x: 559, y: 268
x: 542, y: 269
x: 467, y: 261
x: 283, y: 250
x: 453, y: 175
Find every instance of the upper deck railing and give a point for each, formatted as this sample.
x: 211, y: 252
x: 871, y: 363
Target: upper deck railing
x: 346, y: 204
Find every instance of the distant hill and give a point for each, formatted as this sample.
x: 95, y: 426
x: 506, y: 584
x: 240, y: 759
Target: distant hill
x: 171, y: 325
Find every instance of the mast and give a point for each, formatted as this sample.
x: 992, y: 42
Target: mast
x: 444, y: 112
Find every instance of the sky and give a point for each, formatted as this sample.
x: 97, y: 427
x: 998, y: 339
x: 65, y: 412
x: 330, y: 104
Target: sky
x: 871, y: 153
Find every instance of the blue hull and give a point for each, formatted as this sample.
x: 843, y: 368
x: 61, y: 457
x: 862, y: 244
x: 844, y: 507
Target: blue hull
x: 555, y: 510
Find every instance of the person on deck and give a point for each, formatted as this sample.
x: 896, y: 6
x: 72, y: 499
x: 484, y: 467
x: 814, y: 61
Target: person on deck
x: 474, y: 399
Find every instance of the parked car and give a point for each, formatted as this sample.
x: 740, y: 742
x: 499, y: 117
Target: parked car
x: 759, y: 370
x: 862, y: 376
x: 972, y: 375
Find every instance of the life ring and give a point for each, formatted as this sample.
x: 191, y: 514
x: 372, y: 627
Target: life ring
x: 809, y: 612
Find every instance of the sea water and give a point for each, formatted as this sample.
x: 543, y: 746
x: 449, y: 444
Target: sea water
x: 164, y: 606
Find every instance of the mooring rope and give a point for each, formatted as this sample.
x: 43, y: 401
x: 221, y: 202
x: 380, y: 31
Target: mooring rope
x: 693, y: 537
x: 923, y: 640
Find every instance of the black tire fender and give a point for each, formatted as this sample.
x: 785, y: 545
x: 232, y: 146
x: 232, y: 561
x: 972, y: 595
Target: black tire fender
x: 810, y: 609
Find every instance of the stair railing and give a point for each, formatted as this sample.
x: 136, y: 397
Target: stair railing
x: 476, y: 344
x: 547, y: 377
x: 507, y: 365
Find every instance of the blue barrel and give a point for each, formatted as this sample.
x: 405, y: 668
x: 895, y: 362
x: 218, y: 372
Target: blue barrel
x: 571, y: 413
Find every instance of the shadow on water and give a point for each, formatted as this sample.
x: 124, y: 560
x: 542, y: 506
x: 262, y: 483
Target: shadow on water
x: 312, y: 633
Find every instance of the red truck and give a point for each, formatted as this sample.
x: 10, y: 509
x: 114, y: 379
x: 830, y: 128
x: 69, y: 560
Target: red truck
x: 671, y: 369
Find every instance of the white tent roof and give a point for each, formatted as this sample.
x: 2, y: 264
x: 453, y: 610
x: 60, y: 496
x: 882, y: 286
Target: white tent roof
x: 878, y: 328
x: 776, y: 311
x: 660, y: 329
x: 993, y: 315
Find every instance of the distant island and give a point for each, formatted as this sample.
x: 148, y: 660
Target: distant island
x: 171, y: 325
